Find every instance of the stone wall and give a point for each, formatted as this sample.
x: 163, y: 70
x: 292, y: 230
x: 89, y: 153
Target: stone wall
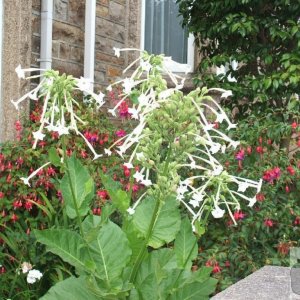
x: 16, y: 50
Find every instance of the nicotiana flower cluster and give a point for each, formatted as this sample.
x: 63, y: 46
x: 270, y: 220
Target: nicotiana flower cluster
x: 211, y: 188
x: 59, y: 106
x: 162, y: 117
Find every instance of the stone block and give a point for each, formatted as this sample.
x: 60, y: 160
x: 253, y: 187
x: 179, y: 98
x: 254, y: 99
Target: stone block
x: 64, y: 51
x: 102, y: 11
x: 104, y: 58
x: 55, y: 49
x: 36, y: 5
x: 68, y: 33
x: 117, y: 12
x: 60, y: 11
x: 100, y: 77
x: 67, y: 67
x: 113, y: 71
x: 35, y: 44
x: 35, y: 23
x: 110, y: 29
x: 106, y: 45
x: 77, y: 54
x: 76, y: 12
x: 103, y: 2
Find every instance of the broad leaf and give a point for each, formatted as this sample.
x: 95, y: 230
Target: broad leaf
x: 110, y: 251
x: 167, y: 222
x: 66, y: 244
x: 71, y: 288
x: 119, y: 198
x: 77, y: 186
x: 54, y: 157
x: 152, y: 272
x: 195, y: 291
x: 185, y: 245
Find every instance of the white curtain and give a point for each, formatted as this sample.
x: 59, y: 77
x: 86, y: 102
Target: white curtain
x: 163, y: 30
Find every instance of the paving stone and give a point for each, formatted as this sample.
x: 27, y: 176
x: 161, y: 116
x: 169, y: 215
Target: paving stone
x: 268, y: 283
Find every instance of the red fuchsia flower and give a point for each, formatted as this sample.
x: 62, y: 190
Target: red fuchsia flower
x: 216, y: 125
x: 50, y: 171
x: 120, y: 133
x: 14, y: 217
x: 28, y: 205
x: 8, y: 178
x: 269, y: 142
x: 249, y: 150
x: 54, y: 135
x: 297, y: 221
x: 269, y: 223
x: 97, y: 211
x: 9, y: 166
x: 104, y: 169
x: 240, y: 155
x: 1, y: 195
x: 294, y: 125
x: 28, y: 231
x: 126, y: 171
x: 20, y: 161
x: 42, y: 144
x: 2, y: 270
x: 135, y: 187
x: 298, y: 143
x: 216, y: 268
x: 284, y: 248
x: 291, y: 170
x: 260, y: 140
x: 287, y: 189
x: 17, y: 204
x: 239, y: 215
x: 259, y: 149
x: 260, y: 197
x: 123, y: 110
x: 59, y: 195
x: 227, y: 263
x: 102, y: 194
x: 272, y: 174
x: 18, y: 127
x: 83, y: 154
x: 69, y: 152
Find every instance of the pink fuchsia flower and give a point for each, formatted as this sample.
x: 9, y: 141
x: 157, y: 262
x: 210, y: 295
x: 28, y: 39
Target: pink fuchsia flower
x: 240, y: 155
x: 269, y: 223
x: 294, y: 125
x: 239, y: 215
x: 120, y: 133
x: 102, y: 194
x: 260, y: 197
x: 297, y: 221
x: 272, y: 174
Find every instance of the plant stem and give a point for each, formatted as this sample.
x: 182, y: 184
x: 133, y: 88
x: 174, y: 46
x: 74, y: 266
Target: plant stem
x: 151, y: 226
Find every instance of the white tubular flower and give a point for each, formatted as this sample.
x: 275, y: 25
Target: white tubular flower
x: 26, y: 180
x: 38, y: 135
x: 131, y: 211
x: 33, y: 276
x: 217, y: 212
x: 107, y: 152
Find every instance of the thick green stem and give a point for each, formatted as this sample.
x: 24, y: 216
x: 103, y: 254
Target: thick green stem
x: 143, y: 249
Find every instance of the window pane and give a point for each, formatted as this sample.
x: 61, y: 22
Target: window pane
x: 163, y: 31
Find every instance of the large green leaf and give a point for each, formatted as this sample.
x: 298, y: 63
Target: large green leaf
x: 185, y: 245
x: 71, y: 288
x: 167, y: 221
x: 195, y: 291
x: 152, y: 272
x: 77, y: 188
x: 68, y: 245
x: 119, y: 198
x: 111, y: 252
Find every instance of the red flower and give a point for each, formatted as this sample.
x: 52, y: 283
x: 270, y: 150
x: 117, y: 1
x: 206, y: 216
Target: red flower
x: 291, y: 170
x: 83, y: 154
x: 14, y: 217
x: 272, y: 174
x: 240, y: 155
x: 227, y: 263
x: 126, y: 171
x: 294, y: 125
x: 297, y: 221
x: 260, y: 197
x: 102, y: 194
x: 28, y: 205
x: 120, y: 133
x: 287, y: 189
x: 249, y: 150
x: 17, y: 204
x: 216, y: 268
x: 269, y: 223
x: 1, y: 195
x: 259, y: 149
x: 239, y: 215
x: 216, y: 125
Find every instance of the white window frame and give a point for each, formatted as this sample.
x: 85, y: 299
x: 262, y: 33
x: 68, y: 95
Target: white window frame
x: 173, y: 66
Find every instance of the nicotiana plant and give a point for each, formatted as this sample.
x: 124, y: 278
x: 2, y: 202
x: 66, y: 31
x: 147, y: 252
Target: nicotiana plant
x: 148, y: 253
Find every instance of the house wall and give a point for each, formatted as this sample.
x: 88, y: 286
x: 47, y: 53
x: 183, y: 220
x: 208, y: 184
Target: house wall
x: 116, y: 26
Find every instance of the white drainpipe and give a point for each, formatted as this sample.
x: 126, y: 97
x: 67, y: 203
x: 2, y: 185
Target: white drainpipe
x: 46, y: 34
x: 89, y: 41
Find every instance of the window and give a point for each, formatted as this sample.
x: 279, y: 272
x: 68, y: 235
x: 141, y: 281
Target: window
x: 162, y: 33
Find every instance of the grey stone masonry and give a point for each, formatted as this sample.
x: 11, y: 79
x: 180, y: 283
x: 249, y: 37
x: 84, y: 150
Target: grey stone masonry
x: 268, y: 283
